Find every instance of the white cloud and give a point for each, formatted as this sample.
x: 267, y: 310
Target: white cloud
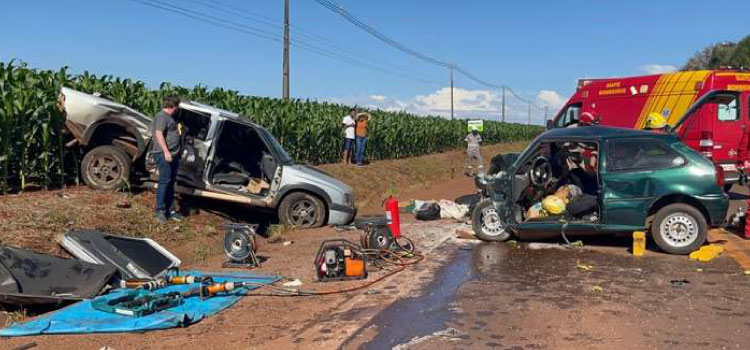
x: 551, y: 98
x: 658, y: 68
x: 467, y: 103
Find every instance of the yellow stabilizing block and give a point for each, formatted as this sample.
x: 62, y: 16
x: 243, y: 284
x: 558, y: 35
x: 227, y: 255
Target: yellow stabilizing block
x: 707, y: 252
x: 639, y: 243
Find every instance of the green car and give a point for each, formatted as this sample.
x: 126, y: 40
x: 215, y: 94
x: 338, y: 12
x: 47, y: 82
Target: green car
x: 598, y: 180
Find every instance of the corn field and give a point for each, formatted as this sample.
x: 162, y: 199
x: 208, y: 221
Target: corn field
x: 32, y: 141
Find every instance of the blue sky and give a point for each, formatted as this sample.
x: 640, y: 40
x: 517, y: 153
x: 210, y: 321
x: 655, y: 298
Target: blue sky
x: 538, y: 48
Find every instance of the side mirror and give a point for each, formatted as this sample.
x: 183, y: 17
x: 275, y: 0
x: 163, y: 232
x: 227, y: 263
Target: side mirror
x: 550, y: 124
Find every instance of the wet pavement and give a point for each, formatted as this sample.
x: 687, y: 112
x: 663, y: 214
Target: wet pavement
x: 590, y: 297
x: 547, y: 296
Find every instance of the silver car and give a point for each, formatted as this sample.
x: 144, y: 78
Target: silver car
x: 225, y: 157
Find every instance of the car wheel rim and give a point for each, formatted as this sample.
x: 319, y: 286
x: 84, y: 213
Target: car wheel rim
x: 105, y: 169
x: 491, y: 223
x: 303, y: 213
x: 679, y: 229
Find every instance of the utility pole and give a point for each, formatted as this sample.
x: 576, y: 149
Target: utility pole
x: 451, y: 66
x: 503, y: 111
x: 545, y: 114
x: 285, y: 82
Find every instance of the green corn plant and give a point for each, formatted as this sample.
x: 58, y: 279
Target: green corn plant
x: 32, y: 144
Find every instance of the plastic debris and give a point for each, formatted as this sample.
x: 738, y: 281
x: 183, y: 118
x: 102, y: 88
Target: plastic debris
x: 679, y: 283
x: 295, y: 283
x: 287, y: 243
x: 577, y: 243
x: 746, y: 272
x: 707, y: 253
x: 513, y: 243
x: 597, y: 289
x: 583, y: 266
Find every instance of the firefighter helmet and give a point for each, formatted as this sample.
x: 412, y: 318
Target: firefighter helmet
x: 655, y: 121
x: 588, y: 118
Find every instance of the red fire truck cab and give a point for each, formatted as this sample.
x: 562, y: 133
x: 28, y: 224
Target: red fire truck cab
x: 709, y: 110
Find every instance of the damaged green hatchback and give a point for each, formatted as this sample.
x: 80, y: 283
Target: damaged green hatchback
x: 606, y: 181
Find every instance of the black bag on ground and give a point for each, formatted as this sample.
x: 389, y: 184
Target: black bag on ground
x: 428, y: 211
x: 586, y: 204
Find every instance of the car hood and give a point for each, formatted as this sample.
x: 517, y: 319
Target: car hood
x: 320, y: 177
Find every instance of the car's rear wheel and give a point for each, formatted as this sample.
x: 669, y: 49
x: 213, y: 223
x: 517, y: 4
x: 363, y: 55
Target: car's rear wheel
x: 487, y: 224
x: 679, y: 229
x: 105, y: 168
x: 302, y: 210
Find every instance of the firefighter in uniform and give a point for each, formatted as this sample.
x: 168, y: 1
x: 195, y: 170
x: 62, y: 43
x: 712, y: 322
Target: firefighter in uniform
x: 656, y: 123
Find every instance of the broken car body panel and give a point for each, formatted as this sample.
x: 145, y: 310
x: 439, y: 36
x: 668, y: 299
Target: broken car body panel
x: 133, y: 257
x: 29, y: 278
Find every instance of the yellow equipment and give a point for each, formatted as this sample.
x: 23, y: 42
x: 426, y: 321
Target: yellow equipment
x: 655, y: 121
x: 553, y: 205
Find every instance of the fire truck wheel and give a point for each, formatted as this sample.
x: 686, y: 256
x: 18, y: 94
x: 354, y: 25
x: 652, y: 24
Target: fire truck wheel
x: 302, y: 210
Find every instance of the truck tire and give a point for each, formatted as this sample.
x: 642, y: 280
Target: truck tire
x: 487, y: 224
x: 679, y: 229
x: 302, y: 210
x: 105, y: 168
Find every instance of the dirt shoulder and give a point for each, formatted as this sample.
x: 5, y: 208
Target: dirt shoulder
x: 33, y: 220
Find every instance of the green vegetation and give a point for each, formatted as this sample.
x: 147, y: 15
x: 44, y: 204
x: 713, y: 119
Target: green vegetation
x: 734, y: 54
x: 32, y: 148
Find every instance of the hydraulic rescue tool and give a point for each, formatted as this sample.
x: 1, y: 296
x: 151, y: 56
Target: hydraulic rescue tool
x: 137, y: 302
x: 339, y: 259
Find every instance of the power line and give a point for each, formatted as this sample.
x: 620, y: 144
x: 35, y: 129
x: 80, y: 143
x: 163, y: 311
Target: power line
x: 299, y: 31
x: 242, y: 28
x: 419, y: 55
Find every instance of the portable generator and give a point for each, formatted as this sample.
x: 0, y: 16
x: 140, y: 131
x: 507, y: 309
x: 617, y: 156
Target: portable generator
x: 339, y: 259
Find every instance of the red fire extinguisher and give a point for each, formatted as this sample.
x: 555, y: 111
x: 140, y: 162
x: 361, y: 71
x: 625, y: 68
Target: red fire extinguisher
x: 391, y: 214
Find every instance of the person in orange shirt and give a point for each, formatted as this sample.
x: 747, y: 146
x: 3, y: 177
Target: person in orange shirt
x: 361, y: 137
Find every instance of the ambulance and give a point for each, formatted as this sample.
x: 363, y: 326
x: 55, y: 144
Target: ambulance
x: 708, y: 109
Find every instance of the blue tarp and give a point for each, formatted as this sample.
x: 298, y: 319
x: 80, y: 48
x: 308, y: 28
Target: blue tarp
x: 82, y: 318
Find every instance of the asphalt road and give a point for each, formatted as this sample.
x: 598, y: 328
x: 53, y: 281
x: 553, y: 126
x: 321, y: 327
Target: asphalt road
x: 544, y: 296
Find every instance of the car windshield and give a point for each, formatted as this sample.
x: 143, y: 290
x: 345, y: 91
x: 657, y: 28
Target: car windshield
x: 283, y: 156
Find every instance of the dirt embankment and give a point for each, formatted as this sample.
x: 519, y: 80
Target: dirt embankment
x: 32, y: 220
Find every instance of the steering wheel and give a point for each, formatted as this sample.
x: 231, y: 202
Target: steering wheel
x: 540, y: 172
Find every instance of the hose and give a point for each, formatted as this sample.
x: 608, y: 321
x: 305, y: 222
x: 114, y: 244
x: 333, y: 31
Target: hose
x: 401, y: 258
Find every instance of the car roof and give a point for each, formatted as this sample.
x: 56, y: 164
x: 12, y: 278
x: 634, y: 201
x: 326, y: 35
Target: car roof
x: 599, y: 133
x: 202, y: 107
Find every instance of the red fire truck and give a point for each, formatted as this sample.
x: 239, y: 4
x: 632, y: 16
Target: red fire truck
x: 709, y: 110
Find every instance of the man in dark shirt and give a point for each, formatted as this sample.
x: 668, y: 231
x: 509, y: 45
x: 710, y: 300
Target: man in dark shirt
x: 166, y: 149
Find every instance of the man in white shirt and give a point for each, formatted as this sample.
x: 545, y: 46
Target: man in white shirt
x: 348, y: 124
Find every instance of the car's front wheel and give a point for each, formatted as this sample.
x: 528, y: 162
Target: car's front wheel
x: 679, y: 229
x: 487, y: 224
x: 302, y: 210
x: 105, y: 168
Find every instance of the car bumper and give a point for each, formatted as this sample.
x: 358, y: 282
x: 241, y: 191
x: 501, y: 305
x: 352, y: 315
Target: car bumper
x: 716, y: 206
x: 341, y: 215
